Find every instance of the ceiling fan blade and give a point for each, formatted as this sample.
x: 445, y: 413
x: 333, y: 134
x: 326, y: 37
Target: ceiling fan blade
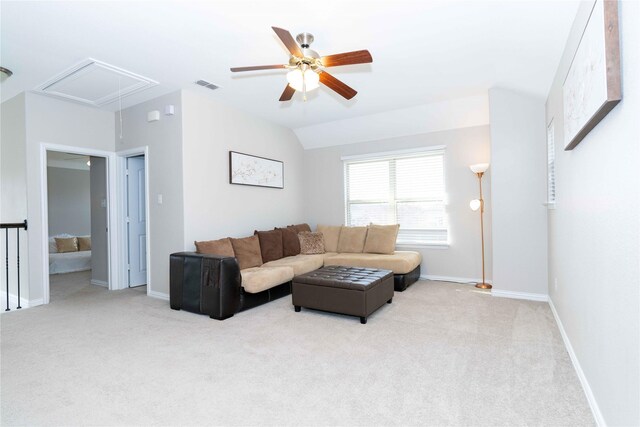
x: 287, y: 94
x: 257, y: 67
x: 336, y: 85
x: 286, y: 38
x: 347, y: 58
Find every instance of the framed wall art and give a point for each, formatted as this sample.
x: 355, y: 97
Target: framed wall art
x: 245, y: 169
x: 592, y: 86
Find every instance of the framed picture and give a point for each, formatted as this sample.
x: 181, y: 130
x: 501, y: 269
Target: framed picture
x: 245, y: 169
x: 592, y: 86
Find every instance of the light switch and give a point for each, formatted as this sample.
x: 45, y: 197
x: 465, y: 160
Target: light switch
x: 159, y: 199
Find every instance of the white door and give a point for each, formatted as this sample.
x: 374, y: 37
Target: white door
x: 136, y: 222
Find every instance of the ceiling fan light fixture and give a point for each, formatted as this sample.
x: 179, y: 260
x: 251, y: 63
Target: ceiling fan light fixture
x: 310, y: 78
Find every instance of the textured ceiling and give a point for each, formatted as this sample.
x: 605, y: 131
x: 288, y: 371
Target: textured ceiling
x: 424, y: 51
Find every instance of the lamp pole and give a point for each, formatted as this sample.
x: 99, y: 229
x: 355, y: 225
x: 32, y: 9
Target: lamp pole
x: 479, y: 170
x: 484, y: 284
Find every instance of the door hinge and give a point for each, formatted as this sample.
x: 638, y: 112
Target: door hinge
x: 126, y: 172
x: 127, y: 220
x: 129, y: 267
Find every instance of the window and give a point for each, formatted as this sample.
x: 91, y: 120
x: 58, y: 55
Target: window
x: 402, y: 188
x: 551, y: 165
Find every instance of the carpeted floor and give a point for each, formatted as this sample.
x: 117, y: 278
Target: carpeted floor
x: 441, y: 354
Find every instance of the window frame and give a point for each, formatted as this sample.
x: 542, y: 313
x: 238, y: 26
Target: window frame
x: 552, y: 195
x: 393, y: 201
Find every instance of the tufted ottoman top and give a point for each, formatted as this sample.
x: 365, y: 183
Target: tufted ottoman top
x: 344, y: 277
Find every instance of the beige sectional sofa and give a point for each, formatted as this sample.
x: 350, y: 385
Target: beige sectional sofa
x: 343, y: 246
x: 229, y: 275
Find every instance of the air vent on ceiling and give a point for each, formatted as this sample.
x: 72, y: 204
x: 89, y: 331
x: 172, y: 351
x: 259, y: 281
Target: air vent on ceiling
x: 206, y: 84
x: 95, y: 83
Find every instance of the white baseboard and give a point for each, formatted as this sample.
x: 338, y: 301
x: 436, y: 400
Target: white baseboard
x: 158, y: 295
x: 519, y: 295
x: 595, y: 409
x: 13, y: 301
x: 99, y: 283
x: 463, y: 280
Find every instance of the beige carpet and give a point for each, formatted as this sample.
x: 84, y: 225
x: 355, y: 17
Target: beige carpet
x: 441, y: 354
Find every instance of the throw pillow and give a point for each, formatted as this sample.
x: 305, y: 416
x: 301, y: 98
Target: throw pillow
x: 311, y: 243
x: 247, y: 252
x: 352, y: 239
x: 271, y: 247
x: 84, y: 243
x: 331, y: 235
x: 381, y: 239
x: 290, y: 242
x: 300, y: 228
x: 67, y: 244
x: 220, y: 247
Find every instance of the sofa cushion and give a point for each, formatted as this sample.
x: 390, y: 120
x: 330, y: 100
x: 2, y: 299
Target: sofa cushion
x: 331, y: 235
x: 381, y: 239
x: 300, y: 228
x: 220, y: 247
x: 311, y: 243
x: 66, y: 244
x: 290, y: 242
x: 401, y: 262
x: 258, y: 279
x: 352, y: 239
x: 271, y: 247
x: 247, y: 252
x: 300, y: 263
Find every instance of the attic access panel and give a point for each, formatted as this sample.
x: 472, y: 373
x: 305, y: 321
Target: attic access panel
x: 95, y: 83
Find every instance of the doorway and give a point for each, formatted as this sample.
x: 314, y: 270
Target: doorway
x: 76, y: 219
x: 136, y: 221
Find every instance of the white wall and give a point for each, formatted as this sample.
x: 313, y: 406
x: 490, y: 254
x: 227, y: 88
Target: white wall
x: 164, y: 139
x: 13, y: 189
x: 49, y: 120
x: 99, y: 221
x: 214, y: 208
x: 594, y: 235
x: 68, y: 194
x: 324, y: 195
x: 518, y: 188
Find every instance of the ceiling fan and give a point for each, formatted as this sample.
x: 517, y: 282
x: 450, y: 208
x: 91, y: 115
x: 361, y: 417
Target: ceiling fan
x: 306, y: 66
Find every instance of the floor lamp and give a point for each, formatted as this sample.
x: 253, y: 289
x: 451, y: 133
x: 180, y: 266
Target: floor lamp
x: 479, y: 169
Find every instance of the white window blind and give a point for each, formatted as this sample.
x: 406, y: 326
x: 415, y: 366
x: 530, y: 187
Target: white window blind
x: 405, y: 189
x: 551, y: 164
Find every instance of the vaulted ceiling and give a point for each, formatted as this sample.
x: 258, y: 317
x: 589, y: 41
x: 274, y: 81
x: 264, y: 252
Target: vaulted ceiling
x: 423, y: 51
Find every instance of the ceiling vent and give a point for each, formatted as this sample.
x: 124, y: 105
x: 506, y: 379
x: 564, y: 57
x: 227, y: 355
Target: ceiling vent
x: 95, y: 83
x: 206, y: 84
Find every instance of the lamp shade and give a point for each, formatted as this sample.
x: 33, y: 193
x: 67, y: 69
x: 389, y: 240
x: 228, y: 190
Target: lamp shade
x: 479, y: 167
x: 311, y: 79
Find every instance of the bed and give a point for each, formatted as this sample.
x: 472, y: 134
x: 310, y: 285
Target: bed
x: 68, y: 262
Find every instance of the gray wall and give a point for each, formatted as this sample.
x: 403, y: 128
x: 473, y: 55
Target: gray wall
x: 518, y: 186
x: 68, y: 195
x: 13, y: 186
x: 213, y: 208
x: 99, y: 215
x: 594, y: 234
x: 164, y: 139
x: 49, y: 120
x: 324, y: 195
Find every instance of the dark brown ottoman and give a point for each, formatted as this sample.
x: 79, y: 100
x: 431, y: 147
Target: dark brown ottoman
x: 345, y: 290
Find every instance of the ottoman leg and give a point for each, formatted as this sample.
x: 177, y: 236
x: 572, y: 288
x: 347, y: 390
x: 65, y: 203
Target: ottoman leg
x: 297, y: 308
x: 389, y: 302
x: 363, y: 320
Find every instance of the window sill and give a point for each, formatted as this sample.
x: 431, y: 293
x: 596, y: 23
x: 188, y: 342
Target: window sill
x: 423, y: 245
